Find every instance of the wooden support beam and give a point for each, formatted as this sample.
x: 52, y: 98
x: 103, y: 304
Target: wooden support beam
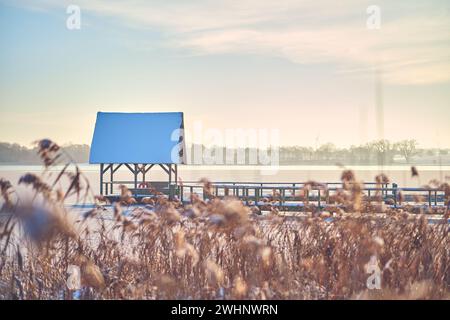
x: 130, y: 168
x: 101, y: 178
x: 117, y: 168
x: 140, y: 168
x: 164, y: 168
x: 106, y: 168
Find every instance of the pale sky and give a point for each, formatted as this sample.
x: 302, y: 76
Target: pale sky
x: 305, y: 68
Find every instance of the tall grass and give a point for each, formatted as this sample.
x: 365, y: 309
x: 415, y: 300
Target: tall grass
x: 218, y: 249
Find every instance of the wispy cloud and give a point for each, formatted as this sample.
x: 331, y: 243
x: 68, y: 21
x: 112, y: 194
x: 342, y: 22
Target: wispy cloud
x: 412, y: 46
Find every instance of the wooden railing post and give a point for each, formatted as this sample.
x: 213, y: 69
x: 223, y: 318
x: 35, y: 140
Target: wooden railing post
x: 101, y: 178
x: 394, y: 192
x: 319, y: 197
x: 429, y: 198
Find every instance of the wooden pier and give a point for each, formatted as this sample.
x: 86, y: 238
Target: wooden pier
x: 289, y: 196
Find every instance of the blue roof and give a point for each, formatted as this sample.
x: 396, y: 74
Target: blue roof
x: 138, y: 138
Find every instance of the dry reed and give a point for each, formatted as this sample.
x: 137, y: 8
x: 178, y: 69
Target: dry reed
x: 216, y: 249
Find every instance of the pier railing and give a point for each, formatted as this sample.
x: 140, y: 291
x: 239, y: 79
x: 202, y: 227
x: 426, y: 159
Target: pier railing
x: 109, y: 186
x: 293, y: 193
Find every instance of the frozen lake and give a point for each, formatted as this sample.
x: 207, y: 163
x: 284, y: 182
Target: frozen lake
x: 401, y: 174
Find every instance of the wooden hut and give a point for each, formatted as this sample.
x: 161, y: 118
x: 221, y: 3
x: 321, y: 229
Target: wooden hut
x: 138, y: 142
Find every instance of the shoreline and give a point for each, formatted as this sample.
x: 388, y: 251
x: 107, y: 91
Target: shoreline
x: 257, y: 166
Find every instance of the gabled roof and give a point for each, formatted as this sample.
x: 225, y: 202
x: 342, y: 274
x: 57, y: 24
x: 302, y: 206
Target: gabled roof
x: 141, y: 138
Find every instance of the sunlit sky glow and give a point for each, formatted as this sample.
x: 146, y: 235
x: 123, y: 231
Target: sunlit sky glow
x: 305, y: 68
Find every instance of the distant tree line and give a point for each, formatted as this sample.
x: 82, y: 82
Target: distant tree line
x: 13, y: 153
x: 376, y: 152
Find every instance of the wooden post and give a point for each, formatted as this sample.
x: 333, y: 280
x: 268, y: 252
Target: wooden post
x: 429, y: 198
x: 177, y: 189
x: 170, y: 173
x: 143, y: 172
x: 176, y: 174
x: 170, y: 182
x: 318, y: 194
x: 394, y: 193
x: 101, y: 179
x: 135, y: 175
x: 111, y: 180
